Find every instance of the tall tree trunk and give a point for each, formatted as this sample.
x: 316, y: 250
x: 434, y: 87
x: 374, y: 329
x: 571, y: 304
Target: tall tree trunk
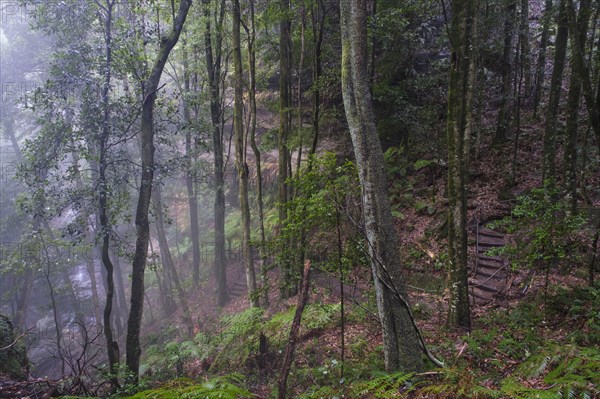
x: 318, y: 24
x: 104, y: 192
x: 103, y: 189
x: 299, y: 93
x: 134, y: 322
x: 256, y: 151
x: 578, y: 39
x: 285, y: 104
x: 560, y: 54
x: 525, y: 47
x: 213, y: 66
x: 240, y: 152
x: 460, y: 94
x: 592, y: 100
x: 24, y: 293
x: 167, y: 259
x: 504, y: 115
x: 189, y: 178
x: 540, y: 73
x: 400, y: 337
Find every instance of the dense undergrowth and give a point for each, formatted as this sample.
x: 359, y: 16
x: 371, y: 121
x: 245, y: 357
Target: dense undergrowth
x: 545, y: 347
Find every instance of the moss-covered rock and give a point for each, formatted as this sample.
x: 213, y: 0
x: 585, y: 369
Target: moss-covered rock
x: 12, y: 360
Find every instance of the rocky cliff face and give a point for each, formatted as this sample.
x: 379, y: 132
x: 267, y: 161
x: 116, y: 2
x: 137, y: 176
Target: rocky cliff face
x: 12, y: 354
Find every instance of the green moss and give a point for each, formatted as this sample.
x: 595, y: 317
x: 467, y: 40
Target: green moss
x: 12, y: 360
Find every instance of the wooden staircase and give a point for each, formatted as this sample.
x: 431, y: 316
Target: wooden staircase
x: 490, y: 275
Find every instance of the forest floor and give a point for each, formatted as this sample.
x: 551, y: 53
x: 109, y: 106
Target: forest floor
x: 539, y: 342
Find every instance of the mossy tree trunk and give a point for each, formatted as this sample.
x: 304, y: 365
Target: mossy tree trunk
x: 400, y: 336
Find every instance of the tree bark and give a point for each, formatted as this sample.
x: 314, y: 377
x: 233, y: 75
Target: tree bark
x: 167, y: 259
x: 400, y: 336
x: 525, y: 47
x: 560, y: 54
x: 573, y: 100
x: 460, y: 94
x: 592, y: 100
x: 293, y: 337
x: 189, y: 178
x: 134, y: 322
x: 213, y: 66
x: 541, y: 61
x: 504, y: 115
x: 105, y: 227
x: 257, y: 155
x: 240, y: 158
x: 289, y: 280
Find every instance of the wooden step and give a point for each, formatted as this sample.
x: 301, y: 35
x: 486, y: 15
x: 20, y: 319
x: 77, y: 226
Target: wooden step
x: 498, y: 274
x: 483, y: 295
x: 487, y: 258
x: 483, y: 287
x: 490, y: 233
x: 490, y: 264
x: 491, y: 240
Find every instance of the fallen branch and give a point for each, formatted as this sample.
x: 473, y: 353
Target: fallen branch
x: 16, y: 340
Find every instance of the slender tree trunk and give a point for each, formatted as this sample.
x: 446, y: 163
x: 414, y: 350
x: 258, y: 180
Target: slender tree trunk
x: 578, y: 41
x: 240, y: 159
x: 525, y: 47
x: 57, y: 317
x: 541, y: 61
x: 592, y: 100
x: 256, y: 151
x: 167, y: 259
x: 400, y: 337
x: 24, y: 293
x: 134, y: 322
x: 460, y: 94
x: 289, y: 280
x: 105, y: 227
x: 213, y: 66
x: 293, y: 337
x: 504, y: 116
x: 318, y: 24
x: 189, y: 178
x: 549, y: 158
x: 299, y: 96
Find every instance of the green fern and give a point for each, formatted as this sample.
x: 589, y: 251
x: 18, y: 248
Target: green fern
x: 384, y: 386
x: 568, y: 371
x: 225, y: 387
